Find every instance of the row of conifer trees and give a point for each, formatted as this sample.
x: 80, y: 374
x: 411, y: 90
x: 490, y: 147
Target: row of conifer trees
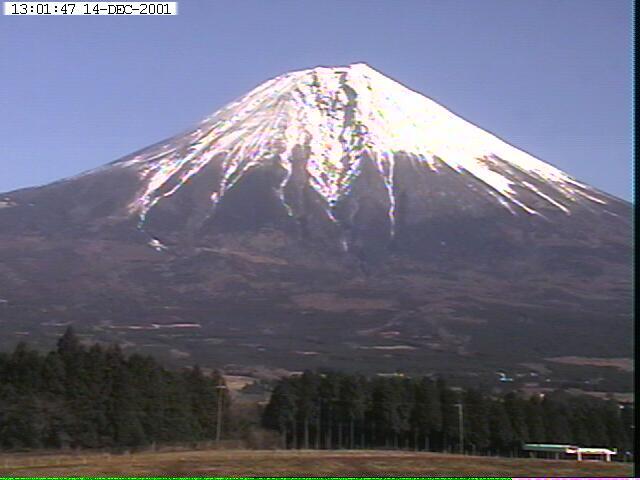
x: 334, y: 410
x: 96, y: 397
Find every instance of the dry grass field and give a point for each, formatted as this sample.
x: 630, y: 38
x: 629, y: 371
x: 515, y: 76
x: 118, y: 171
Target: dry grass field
x: 625, y: 364
x: 299, y: 463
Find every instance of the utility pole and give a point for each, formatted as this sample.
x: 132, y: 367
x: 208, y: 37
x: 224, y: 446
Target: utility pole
x: 460, y: 427
x: 220, y: 389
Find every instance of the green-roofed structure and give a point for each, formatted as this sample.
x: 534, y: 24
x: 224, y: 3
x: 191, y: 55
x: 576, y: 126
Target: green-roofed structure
x: 559, y: 450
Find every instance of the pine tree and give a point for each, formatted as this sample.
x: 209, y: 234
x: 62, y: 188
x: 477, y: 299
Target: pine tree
x: 329, y: 406
x: 450, y: 431
x: 69, y: 344
x: 476, y: 418
x: 534, y: 420
x: 280, y: 413
x: 501, y: 433
x: 627, y: 418
x: 307, y: 405
x: 352, y: 398
x: 516, y: 410
x: 23, y: 369
x: 556, y: 421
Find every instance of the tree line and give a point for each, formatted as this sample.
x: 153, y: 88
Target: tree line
x: 335, y: 410
x: 96, y: 397
x: 80, y: 396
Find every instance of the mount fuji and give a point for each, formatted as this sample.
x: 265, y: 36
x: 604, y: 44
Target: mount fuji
x: 331, y: 217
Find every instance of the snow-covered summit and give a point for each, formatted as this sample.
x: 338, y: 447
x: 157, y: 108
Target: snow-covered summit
x: 337, y: 116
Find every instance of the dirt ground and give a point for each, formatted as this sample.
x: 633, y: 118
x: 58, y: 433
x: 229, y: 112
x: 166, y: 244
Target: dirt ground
x: 298, y: 463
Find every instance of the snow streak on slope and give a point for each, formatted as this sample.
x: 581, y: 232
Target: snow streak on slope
x: 335, y: 116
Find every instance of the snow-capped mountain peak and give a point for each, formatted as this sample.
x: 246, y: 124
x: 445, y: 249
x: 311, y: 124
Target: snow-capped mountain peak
x: 338, y: 116
x: 330, y: 209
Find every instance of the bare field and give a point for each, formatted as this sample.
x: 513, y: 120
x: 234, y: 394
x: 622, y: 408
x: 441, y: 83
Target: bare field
x: 624, y: 364
x: 299, y: 463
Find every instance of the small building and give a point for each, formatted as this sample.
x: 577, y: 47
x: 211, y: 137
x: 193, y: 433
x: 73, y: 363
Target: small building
x: 547, y: 450
x: 602, y: 453
x: 562, y: 451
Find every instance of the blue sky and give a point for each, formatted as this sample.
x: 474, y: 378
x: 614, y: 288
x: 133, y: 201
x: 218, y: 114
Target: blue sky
x: 550, y: 76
